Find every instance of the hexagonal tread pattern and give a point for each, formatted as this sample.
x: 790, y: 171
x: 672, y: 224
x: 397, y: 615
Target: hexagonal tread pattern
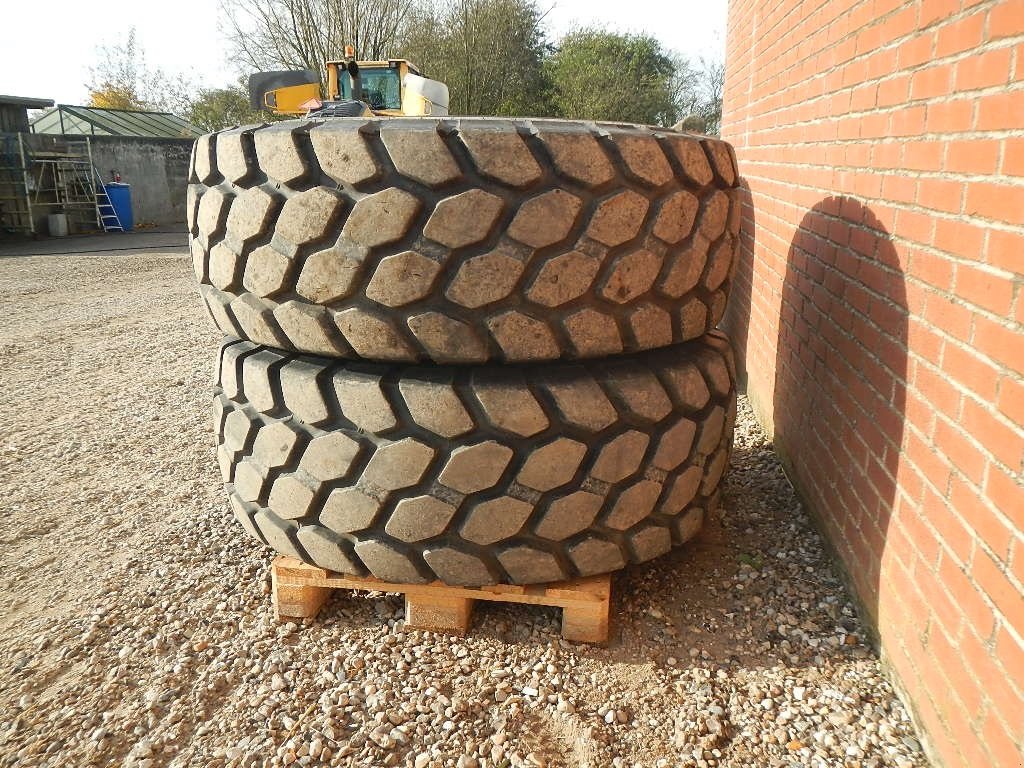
x: 463, y: 240
x: 474, y: 475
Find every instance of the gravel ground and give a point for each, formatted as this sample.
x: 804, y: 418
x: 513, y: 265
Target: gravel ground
x: 135, y: 619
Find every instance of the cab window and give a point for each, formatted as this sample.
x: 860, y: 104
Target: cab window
x: 382, y: 88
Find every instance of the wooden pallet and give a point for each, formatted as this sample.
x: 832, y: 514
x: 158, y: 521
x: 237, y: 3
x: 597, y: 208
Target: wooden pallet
x: 299, y: 591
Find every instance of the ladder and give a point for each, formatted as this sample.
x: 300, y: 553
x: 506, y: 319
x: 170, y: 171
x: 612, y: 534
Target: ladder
x: 106, y: 213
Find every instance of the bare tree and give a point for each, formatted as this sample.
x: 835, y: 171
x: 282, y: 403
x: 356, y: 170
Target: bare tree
x: 710, y: 86
x: 698, y: 93
x: 303, y: 34
x: 122, y: 79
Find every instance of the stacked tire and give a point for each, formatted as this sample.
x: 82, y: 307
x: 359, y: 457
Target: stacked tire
x: 468, y: 349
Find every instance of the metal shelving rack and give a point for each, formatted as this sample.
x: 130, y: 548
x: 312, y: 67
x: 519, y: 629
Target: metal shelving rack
x: 15, y: 185
x: 65, y: 181
x: 58, y: 179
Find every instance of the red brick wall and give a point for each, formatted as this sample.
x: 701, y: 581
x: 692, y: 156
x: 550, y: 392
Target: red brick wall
x: 879, y: 309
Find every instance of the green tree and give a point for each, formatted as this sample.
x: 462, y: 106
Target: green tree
x: 216, y: 108
x: 601, y: 75
x: 489, y: 52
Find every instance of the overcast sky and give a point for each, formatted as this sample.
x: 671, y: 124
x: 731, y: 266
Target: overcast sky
x: 49, y: 46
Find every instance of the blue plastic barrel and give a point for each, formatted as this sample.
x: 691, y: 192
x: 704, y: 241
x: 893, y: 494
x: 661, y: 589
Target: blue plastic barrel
x: 121, y: 198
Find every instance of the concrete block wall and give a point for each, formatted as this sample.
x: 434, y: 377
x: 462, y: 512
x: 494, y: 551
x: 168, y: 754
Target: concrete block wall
x: 157, y: 169
x: 878, y: 314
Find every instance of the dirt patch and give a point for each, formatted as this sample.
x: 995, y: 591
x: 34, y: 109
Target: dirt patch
x: 135, y: 624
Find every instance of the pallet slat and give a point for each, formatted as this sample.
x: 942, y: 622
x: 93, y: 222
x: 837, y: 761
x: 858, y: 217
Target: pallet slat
x: 300, y: 590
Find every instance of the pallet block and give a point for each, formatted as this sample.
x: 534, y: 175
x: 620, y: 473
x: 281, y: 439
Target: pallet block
x: 300, y: 590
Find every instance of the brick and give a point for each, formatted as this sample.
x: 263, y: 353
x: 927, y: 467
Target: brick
x: 940, y: 194
x: 948, y: 115
x: 984, y: 69
x: 999, y: 744
x: 899, y: 188
x: 1000, y: 343
x: 963, y: 365
x: 988, y: 525
x: 1013, y: 150
x: 933, y: 269
x: 1011, y: 398
x: 1006, y: 494
x: 893, y: 90
x: 1006, y: 19
x: 1007, y: 598
x: 917, y: 50
x: 909, y: 121
x: 1001, y: 202
x: 1008, y: 652
x: 901, y: 23
x: 985, y: 288
x: 999, y: 111
x: 963, y: 238
x: 931, y: 82
x: 960, y: 721
x: 934, y: 467
x: 915, y: 225
x: 962, y: 454
x: 936, y: 10
x: 994, y: 683
x: 1004, y: 442
x: 923, y: 155
x: 946, y: 613
x: 974, y: 156
x: 960, y: 35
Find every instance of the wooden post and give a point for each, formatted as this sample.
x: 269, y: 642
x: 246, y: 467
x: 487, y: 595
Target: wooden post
x: 585, y: 623
x: 438, y: 613
x: 295, y: 601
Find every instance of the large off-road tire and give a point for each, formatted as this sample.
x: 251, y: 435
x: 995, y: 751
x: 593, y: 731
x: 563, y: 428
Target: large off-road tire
x: 474, y: 475
x: 463, y: 240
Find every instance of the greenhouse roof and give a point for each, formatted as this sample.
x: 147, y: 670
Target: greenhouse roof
x: 96, y: 121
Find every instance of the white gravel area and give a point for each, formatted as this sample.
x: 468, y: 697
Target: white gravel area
x: 136, y: 628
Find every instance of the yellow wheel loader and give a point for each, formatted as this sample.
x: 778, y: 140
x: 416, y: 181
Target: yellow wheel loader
x: 387, y: 88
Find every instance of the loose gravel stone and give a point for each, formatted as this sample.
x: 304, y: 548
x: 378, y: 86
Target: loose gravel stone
x: 136, y: 627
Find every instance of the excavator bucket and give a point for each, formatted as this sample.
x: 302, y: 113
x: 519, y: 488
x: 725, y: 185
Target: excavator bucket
x: 283, y: 92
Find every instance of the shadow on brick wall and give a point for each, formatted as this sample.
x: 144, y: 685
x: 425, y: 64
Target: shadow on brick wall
x: 840, y: 379
x: 737, y: 318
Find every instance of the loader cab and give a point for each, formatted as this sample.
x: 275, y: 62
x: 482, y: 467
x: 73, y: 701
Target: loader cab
x: 381, y: 83
x: 389, y: 88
